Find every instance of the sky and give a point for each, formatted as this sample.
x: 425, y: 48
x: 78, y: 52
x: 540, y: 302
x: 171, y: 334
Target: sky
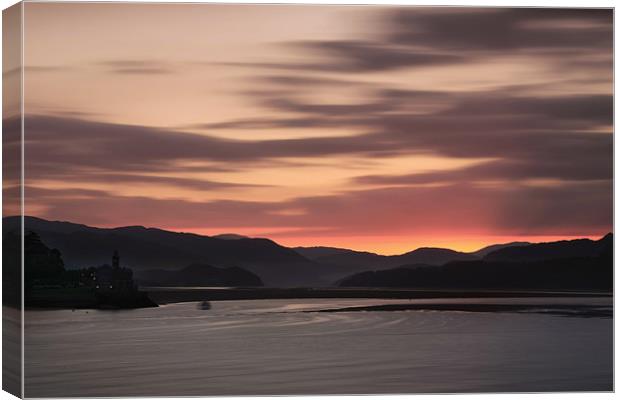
x: 368, y: 127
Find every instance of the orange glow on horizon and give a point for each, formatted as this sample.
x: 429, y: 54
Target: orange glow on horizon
x: 384, y: 245
x: 395, y: 246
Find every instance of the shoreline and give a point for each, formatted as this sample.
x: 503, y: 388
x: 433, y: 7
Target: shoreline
x: 564, y: 310
x: 155, y: 296
x: 166, y: 295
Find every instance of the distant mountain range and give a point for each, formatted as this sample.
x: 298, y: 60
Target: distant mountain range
x: 551, y: 250
x: 566, y: 265
x: 160, y: 256
x: 199, y: 275
x: 143, y: 248
x: 230, y: 236
x: 358, y: 259
x: 351, y: 259
x: 483, y: 252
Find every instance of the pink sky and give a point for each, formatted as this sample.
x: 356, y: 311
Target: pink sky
x: 374, y: 128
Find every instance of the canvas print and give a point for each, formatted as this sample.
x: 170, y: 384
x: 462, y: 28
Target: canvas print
x: 237, y: 199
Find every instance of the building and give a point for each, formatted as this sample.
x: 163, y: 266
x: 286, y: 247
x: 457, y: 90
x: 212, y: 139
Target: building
x: 112, y: 278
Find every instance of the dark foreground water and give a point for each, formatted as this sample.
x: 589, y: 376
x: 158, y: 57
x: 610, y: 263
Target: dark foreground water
x: 274, y: 347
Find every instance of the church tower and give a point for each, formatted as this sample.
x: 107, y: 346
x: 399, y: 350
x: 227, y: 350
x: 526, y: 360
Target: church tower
x: 115, y: 259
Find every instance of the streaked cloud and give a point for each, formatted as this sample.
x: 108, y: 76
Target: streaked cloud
x: 412, y: 122
x: 137, y: 67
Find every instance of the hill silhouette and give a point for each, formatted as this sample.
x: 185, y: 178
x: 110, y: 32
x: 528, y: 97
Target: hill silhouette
x: 551, y: 250
x: 150, y: 248
x: 229, y: 236
x: 48, y: 284
x: 199, y: 275
x: 483, y: 252
x: 314, y: 252
x: 354, y: 260
x: 567, y: 265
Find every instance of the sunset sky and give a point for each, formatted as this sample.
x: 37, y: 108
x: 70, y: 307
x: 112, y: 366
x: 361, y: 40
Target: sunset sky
x: 372, y: 128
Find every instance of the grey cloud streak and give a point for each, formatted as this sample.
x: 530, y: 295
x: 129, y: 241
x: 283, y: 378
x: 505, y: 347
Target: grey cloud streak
x: 421, y: 37
x: 138, y: 67
x: 581, y: 159
x: 543, y: 134
x: 504, y: 29
x: 559, y: 137
x: 539, y: 137
x: 390, y: 211
x: 569, y: 170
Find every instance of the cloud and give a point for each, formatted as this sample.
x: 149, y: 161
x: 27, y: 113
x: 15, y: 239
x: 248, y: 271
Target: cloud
x: 578, y: 163
x: 423, y: 37
x: 130, y: 147
x: 142, y: 71
x: 364, y: 56
x: 72, y: 149
x: 35, y: 69
x: 293, y: 80
x: 137, y: 67
x: 197, y: 184
x: 541, y: 136
x: 590, y: 109
x: 586, y: 168
x: 548, y: 151
x: 503, y: 108
x: 356, y: 57
x: 504, y: 29
x: 457, y: 208
x: 534, y: 135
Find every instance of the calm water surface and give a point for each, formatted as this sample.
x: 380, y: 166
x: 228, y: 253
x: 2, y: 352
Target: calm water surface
x: 271, y: 347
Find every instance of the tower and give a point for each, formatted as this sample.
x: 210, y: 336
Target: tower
x: 115, y: 259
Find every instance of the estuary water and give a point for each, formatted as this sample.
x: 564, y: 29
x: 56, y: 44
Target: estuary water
x: 275, y: 347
